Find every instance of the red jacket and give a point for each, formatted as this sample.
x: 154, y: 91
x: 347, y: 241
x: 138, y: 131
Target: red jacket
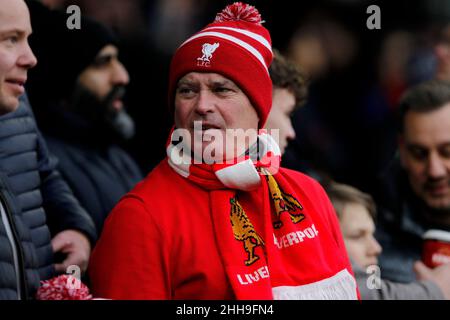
x: 154, y: 246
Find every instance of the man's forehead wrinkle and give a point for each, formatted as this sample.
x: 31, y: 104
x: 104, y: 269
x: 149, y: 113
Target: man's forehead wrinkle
x: 209, y: 81
x: 187, y: 82
x: 220, y: 82
x: 12, y: 25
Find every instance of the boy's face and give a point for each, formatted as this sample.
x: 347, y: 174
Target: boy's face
x: 358, y: 229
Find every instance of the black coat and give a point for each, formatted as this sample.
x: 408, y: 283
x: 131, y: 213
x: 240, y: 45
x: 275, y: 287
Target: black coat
x: 99, y: 174
x: 98, y: 171
x: 37, y: 205
x: 400, y: 225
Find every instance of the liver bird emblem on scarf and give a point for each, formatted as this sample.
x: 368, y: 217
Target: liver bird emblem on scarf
x: 284, y: 202
x: 244, y: 231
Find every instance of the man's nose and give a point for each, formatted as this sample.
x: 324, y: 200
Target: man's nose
x: 27, y: 59
x: 204, y: 103
x: 120, y: 75
x: 374, y: 247
x: 290, y: 132
x: 436, y: 166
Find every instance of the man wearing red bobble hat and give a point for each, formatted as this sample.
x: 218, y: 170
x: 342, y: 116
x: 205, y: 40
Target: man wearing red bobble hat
x: 218, y: 219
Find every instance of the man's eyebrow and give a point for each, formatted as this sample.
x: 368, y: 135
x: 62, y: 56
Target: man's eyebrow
x: 222, y: 82
x: 418, y: 145
x: 412, y: 145
x: 185, y: 82
x: 444, y: 145
x: 105, y: 57
x: 12, y: 31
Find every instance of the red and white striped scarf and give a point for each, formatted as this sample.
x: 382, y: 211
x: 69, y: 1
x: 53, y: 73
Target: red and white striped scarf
x: 277, y: 248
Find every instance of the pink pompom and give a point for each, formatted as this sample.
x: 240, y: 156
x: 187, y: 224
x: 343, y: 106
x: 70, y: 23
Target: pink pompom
x: 64, y: 287
x: 239, y: 11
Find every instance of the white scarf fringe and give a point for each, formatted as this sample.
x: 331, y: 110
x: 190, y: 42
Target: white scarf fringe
x: 341, y: 286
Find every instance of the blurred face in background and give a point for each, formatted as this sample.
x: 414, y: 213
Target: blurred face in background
x: 16, y: 56
x: 283, y: 104
x: 105, y: 75
x: 442, y: 53
x: 425, y: 155
x: 358, y: 231
x: 99, y: 93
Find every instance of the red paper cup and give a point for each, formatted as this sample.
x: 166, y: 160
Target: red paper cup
x: 436, y: 248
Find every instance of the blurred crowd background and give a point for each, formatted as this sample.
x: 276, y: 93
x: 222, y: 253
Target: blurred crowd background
x: 346, y: 130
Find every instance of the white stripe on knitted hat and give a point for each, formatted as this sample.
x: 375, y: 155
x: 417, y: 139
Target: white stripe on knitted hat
x: 341, y: 286
x: 237, y: 41
x: 250, y: 34
x: 241, y: 176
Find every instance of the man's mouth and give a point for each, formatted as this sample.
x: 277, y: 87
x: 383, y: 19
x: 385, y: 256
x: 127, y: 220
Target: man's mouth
x: 372, y: 262
x: 437, y: 189
x: 17, y: 84
x: 207, y: 126
x: 115, y: 98
x: 201, y: 126
x: 117, y: 105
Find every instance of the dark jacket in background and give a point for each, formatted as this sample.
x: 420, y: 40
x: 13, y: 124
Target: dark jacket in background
x: 99, y: 175
x: 29, y: 184
x: 400, y: 225
x: 381, y: 289
x: 98, y: 171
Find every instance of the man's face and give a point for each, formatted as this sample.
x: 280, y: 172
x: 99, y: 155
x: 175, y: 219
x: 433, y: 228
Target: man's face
x: 16, y: 56
x: 105, y: 74
x: 283, y: 104
x: 220, y: 105
x: 442, y: 53
x: 357, y: 229
x: 425, y: 155
x: 98, y: 96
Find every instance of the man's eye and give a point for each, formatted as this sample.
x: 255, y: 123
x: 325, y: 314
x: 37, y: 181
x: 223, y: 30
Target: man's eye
x: 102, y: 61
x: 222, y: 90
x: 185, y: 91
x: 13, y: 39
x: 418, y: 153
x: 355, y: 236
x: 445, y: 152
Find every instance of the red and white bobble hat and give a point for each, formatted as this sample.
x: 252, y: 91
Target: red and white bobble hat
x: 235, y: 45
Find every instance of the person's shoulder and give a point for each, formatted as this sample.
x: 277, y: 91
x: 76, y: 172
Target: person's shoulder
x: 162, y: 190
x: 305, y: 186
x: 300, y: 178
x: 160, y: 182
x: 61, y: 147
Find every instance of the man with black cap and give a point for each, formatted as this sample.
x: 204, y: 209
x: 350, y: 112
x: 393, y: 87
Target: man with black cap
x: 77, y: 92
x: 39, y: 215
